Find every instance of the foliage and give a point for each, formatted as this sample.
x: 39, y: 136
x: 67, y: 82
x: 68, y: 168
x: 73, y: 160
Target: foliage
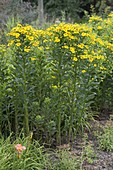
x: 104, y: 89
x: 68, y: 157
x: 105, y: 138
x: 65, y: 161
x: 32, y: 158
x: 88, y: 154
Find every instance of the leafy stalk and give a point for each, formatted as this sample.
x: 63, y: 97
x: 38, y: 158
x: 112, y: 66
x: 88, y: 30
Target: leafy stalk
x: 25, y: 104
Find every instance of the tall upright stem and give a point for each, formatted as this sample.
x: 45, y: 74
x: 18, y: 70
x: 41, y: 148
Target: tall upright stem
x: 59, y: 104
x: 26, y: 115
x: 16, y: 121
x: 72, y: 103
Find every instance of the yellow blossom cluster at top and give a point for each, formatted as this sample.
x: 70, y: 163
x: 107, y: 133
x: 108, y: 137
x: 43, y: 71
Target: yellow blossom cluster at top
x: 88, y: 42
x: 77, y: 40
x: 24, y: 37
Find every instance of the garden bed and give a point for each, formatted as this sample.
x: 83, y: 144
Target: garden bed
x: 86, y: 149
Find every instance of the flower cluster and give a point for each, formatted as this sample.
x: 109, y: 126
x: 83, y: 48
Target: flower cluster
x: 24, y: 38
x: 77, y: 42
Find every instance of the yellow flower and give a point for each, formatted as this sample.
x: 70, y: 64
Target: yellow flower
x: 75, y: 59
x: 91, y: 59
x: 32, y: 58
x: 57, y: 39
x: 17, y: 35
x: 36, y: 43
x: 102, y: 68
x: 65, y: 46
x: 31, y: 38
x: 72, y: 37
x: 110, y: 15
x: 95, y: 65
x: 100, y: 41
x: 66, y: 34
x: 18, y: 44
x: 93, y: 37
x: 83, y: 71
x: 100, y: 57
x: 23, y: 31
x: 72, y: 49
x: 84, y: 34
x: 81, y: 45
x: 27, y: 49
x: 83, y: 57
x: 99, y: 27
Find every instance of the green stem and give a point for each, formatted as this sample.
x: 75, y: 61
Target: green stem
x: 59, y: 129
x: 26, y: 119
x: 26, y: 115
x: 16, y: 110
x: 72, y: 102
x: 16, y: 121
x: 60, y: 101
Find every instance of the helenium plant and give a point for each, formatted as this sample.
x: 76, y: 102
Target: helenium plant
x: 53, y: 77
x: 21, y: 45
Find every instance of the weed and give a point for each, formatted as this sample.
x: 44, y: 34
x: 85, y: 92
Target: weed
x: 105, y: 138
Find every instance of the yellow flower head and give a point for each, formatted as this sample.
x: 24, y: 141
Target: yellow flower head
x: 57, y: 39
x: 33, y: 59
x: 95, y: 65
x: 65, y: 46
x: 31, y: 38
x: 75, y: 59
x: 26, y: 50
x: 99, y: 27
x: 81, y: 45
x: 83, y: 71
x: 36, y: 43
x: 72, y: 49
x: 18, y: 44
